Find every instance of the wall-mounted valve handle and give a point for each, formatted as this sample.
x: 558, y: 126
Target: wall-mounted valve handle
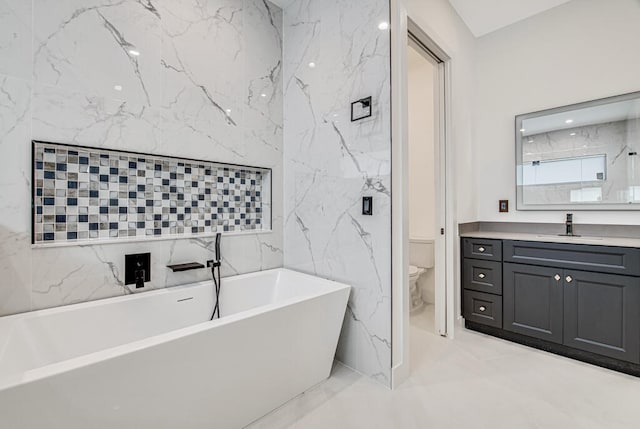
x: 140, y: 275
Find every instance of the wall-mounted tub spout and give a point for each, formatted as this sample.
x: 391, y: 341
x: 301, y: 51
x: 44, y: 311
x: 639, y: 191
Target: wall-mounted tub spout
x: 176, y: 268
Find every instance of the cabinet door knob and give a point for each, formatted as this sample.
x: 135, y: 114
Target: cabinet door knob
x: 557, y: 277
x: 481, y: 275
x: 482, y: 308
x: 481, y: 249
x: 569, y: 279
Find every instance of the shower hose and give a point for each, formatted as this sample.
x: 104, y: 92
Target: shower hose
x: 215, y: 273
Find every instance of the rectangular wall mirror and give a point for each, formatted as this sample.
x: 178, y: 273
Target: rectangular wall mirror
x: 580, y: 157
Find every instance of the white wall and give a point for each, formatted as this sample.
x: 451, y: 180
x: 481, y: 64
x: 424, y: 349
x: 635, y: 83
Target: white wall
x: 583, y: 50
x: 422, y: 187
x: 441, y: 22
x: 59, y: 65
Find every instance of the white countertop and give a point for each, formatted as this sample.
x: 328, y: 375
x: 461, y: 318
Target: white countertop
x: 550, y: 238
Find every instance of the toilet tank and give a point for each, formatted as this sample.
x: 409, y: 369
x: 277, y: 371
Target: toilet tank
x: 421, y: 252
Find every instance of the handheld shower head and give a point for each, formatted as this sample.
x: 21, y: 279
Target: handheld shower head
x: 215, y: 273
x: 218, y: 237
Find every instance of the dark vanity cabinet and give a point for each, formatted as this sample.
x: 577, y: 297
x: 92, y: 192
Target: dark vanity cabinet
x: 602, y: 314
x: 533, y: 298
x: 482, y: 279
x: 581, y: 301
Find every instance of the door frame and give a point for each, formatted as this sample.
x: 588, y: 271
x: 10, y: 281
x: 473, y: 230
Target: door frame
x: 401, y: 27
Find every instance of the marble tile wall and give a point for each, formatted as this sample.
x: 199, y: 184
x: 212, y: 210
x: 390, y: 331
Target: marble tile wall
x: 207, y: 84
x: 340, y: 56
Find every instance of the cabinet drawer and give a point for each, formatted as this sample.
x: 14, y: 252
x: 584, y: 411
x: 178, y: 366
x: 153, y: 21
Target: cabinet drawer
x: 480, y: 248
x: 603, y: 259
x: 483, y: 308
x: 483, y: 276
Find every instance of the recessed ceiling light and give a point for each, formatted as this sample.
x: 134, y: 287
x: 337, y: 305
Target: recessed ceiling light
x: 568, y: 121
x: 263, y: 95
x: 312, y: 65
x: 530, y: 140
x: 118, y: 87
x: 134, y: 52
x: 522, y: 130
x: 383, y: 26
x: 572, y: 134
x: 228, y: 110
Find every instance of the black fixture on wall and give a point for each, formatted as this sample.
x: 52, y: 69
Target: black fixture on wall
x: 137, y: 269
x: 177, y: 268
x: 367, y: 206
x: 215, y: 273
x: 361, y: 109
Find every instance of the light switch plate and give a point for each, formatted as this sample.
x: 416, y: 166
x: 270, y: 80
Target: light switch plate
x: 367, y: 206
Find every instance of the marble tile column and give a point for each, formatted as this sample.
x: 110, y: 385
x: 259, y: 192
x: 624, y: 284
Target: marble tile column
x: 335, y: 54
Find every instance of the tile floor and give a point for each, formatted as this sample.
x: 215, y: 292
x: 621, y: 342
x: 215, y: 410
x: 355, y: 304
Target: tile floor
x: 474, y: 381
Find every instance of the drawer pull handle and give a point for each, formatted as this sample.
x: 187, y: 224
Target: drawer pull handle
x: 569, y: 279
x: 481, y: 249
x: 557, y: 277
x: 482, y: 309
x: 481, y: 275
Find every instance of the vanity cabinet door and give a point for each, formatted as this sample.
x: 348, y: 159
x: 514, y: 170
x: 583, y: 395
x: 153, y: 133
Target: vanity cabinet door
x: 602, y: 314
x: 532, y: 301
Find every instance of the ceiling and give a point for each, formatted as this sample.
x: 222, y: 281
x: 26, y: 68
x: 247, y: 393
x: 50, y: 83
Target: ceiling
x: 485, y: 16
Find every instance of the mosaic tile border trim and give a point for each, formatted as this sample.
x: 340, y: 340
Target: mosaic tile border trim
x: 86, y: 194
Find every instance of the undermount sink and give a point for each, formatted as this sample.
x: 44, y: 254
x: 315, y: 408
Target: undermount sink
x: 570, y: 237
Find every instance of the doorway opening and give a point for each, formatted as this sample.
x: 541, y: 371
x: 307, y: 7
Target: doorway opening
x: 422, y: 80
x: 427, y: 152
x: 423, y: 209
x: 426, y: 73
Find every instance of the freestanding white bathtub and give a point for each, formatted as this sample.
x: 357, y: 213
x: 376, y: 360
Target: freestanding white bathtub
x: 154, y: 360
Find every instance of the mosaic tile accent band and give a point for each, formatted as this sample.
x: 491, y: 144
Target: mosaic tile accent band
x: 84, y: 194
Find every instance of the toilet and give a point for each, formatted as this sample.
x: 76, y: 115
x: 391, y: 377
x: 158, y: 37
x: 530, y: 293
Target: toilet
x: 420, y: 260
x: 416, y: 295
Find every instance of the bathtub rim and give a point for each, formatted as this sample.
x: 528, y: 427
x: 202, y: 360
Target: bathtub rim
x: 56, y: 368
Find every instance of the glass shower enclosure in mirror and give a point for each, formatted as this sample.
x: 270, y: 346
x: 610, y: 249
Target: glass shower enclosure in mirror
x: 584, y: 156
